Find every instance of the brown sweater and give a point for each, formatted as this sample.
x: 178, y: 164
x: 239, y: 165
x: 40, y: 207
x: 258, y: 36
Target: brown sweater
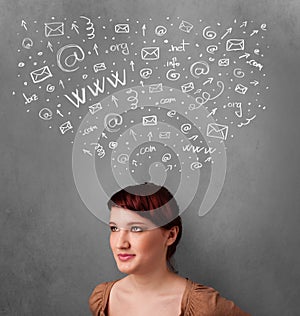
x: 197, y: 300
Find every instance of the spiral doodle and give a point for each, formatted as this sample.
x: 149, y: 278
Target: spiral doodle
x: 209, y: 34
x: 172, y: 75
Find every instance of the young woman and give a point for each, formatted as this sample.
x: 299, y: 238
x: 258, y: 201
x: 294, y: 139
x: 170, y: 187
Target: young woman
x: 145, y: 230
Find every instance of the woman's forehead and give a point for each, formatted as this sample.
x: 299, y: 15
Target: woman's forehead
x: 119, y: 215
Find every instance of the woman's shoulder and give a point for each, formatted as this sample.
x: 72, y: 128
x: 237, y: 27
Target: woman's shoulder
x: 199, y: 297
x: 99, y: 297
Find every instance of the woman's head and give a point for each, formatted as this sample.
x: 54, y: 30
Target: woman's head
x: 156, y: 205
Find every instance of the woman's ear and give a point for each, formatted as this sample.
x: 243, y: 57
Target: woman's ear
x: 172, y: 235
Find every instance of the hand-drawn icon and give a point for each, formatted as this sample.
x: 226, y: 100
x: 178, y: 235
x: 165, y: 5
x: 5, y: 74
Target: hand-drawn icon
x: 94, y: 108
x: 65, y: 127
x: 211, y: 49
x: 164, y: 135
x: 185, y: 128
x: 199, y: 68
x: 160, y: 30
x: 235, y: 45
x: 41, y: 74
x: 150, y: 120
x: 100, y: 150
x: 166, y: 157
x: 215, y: 130
x: 54, y: 29
x: 50, y: 88
x: 196, y: 165
x: 171, y: 113
x: 70, y: 60
x: 223, y: 62
x: 185, y: 26
x: 122, y: 28
x: 99, y: 67
x: 187, y: 87
x: 123, y: 159
x: 248, y: 120
x: 133, y: 98
x: 90, y: 27
x: 45, y: 114
x: 113, y: 145
x: 27, y: 43
x: 155, y: 88
x: 150, y: 53
x: 145, y: 73
x: 172, y: 75
x: 112, y: 121
x: 208, y: 34
x: 241, y: 89
x: 238, y: 73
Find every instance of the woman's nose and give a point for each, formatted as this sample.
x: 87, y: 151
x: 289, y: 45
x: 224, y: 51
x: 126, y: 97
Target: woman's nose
x: 123, y: 239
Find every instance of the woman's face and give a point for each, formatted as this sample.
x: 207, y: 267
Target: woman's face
x: 137, y: 244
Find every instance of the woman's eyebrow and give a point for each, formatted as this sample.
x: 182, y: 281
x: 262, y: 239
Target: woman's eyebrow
x: 130, y: 223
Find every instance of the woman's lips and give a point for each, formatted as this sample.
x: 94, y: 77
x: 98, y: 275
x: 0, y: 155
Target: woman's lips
x: 125, y: 257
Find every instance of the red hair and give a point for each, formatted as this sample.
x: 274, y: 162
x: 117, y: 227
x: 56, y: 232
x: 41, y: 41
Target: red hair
x: 153, y: 202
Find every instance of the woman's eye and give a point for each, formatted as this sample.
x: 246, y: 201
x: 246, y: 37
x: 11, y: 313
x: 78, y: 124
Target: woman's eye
x: 136, y: 229
x: 113, y: 228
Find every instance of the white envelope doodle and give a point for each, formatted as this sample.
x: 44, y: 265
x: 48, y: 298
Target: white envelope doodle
x: 41, y: 74
x: 150, y: 53
x: 224, y: 62
x: 235, y: 45
x: 217, y: 131
x: 65, y: 127
x: 122, y: 28
x: 155, y: 88
x: 185, y: 26
x: 187, y: 87
x: 99, y: 67
x: 94, y: 108
x: 164, y: 135
x: 54, y: 29
x: 150, y: 120
x: 239, y: 88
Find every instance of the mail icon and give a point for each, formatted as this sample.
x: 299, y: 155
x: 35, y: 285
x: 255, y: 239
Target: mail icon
x: 150, y: 53
x: 185, y: 26
x: 65, y: 127
x: 239, y: 88
x: 187, y: 87
x: 217, y: 131
x: 54, y: 29
x: 99, y: 67
x: 122, y: 28
x: 155, y: 88
x: 235, y: 45
x: 164, y: 135
x: 150, y: 120
x: 94, y: 108
x: 41, y: 74
x: 224, y: 62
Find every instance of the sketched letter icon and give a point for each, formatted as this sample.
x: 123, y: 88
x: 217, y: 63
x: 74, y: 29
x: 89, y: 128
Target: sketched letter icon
x: 150, y: 53
x: 65, y: 127
x: 187, y: 87
x: 240, y: 89
x: 41, y: 74
x: 235, y: 45
x: 54, y: 29
x: 94, y: 108
x: 215, y: 130
x: 122, y: 28
x: 150, y: 120
x: 99, y: 67
x: 185, y: 26
x: 155, y: 88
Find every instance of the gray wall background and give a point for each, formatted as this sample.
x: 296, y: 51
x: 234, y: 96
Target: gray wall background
x: 54, y: 251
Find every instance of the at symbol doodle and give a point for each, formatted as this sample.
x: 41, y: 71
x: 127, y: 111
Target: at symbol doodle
x: 112, y: 122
